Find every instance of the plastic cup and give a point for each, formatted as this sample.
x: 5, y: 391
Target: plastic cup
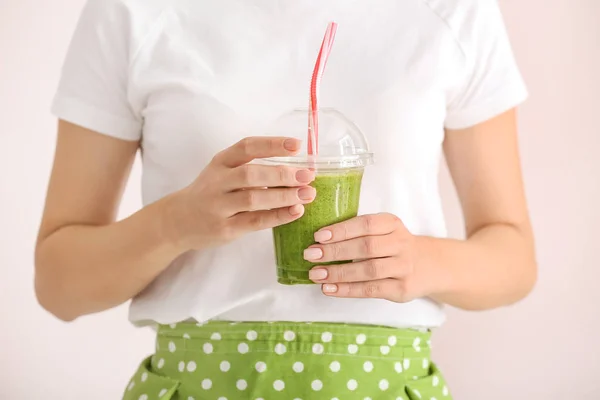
x: 339, y: 166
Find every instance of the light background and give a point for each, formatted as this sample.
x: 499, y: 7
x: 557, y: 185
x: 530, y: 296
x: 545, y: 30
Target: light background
x: 544, y: 348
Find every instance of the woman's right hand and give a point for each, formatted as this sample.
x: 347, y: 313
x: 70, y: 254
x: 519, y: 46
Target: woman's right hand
x: 231, y: 197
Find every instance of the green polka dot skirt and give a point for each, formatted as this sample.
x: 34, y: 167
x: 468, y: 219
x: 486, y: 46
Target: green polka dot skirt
x: 291, y: 361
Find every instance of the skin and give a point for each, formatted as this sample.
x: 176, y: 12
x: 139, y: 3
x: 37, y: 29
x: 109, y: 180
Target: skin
x: 87, y: 262
x: 493, y: 267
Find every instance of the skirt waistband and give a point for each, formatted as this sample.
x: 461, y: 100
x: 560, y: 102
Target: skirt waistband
x: 300, y: 337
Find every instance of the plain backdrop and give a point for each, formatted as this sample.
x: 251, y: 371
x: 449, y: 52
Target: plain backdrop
x: 545, y: 347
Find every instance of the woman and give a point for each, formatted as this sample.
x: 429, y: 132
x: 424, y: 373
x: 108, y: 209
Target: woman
x: 193, y: 84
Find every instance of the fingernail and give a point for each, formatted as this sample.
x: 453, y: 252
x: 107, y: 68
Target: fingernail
x: 307, y: 193
x: 314, y: 253
x: 317, y: 274
x: 296, y: 210
x: 291, y: 144
x: 323, y: 236
x: 330, y: 288
x: 305, y: 176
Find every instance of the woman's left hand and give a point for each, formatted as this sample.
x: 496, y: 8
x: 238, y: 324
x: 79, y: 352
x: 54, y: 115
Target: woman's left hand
x: 385, y: 256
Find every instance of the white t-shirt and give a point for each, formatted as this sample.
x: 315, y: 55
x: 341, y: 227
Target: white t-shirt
x: 191, y: 77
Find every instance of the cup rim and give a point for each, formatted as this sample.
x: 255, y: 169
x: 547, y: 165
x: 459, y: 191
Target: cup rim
x: 350, y: 161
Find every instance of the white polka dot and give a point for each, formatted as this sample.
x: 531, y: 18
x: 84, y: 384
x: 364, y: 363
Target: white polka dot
x: 224, y: 366
x: 251, y: 335
x: 233, y: 323
x: 368, y: 366
x: 445, y: 391
x: 131, y: 385
x: 289, y: 336
x: 318, y: 348
x: 384, y: 384
x: 361, y: 339
x: 334, y: 398
x: 172, y: 347
x: 384, y: 350
x: 399, y: 398
x: 181, y: 366
x: 215, y: 336
x: 326, y: 337
x: 243, y: 348
x: 316, y: 385
x: 416, y: 344
x: 206, y: 384
x: 280, y: 349
x: 222, y: 398
x: 398, y: 367
x: 173, y: 326
x: 186, y: 336
x: 433, y: 398
x: 260, y: 367
x: 417, y: 393
x: 144, y: 377
x: 428, y: 343
x: 241, y: 384
x: 425, y: 363
x: 352, y: 384
x: 200, y: 323
x: 207, y: 348
x: 162, y: 392
x: 352, y: 348
x: 415, y: 378
x: 435, y: 380
x: 161, y: 363
x: 406, y: 363
x: 191, y: 398
x: 298, y: 367
x: 278, y: 385
x: 191, y: 367
x: 367, y: 398
x: 334, y: 366
x: 143, y: 397
x: 392, y: 340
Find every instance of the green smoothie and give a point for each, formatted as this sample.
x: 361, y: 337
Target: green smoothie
x: 337, y: 200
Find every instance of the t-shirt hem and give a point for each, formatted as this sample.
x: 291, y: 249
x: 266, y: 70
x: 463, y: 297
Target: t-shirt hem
x: 77, y: 112
x: 475, y: 115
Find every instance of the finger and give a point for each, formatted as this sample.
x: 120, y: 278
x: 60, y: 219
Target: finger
x: 259, y: 220
x: 353, y: 249
x: 254, y: 176
x: 389, y: 289
x: 363, y: 271
x: 267, y: 199
x: 372, y: 224
x: 251, y: 148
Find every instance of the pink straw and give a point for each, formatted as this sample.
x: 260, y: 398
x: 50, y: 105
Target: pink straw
x: 313, y: 113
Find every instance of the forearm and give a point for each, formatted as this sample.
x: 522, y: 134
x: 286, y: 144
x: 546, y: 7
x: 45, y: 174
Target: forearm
x: 494, y: 267
x: 84, y: 269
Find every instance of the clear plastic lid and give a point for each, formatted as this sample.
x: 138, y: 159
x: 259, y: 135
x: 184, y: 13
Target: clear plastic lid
x: 342, y: 145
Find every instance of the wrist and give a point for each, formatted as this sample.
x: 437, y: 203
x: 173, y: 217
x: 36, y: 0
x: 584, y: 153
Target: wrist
x: 174, y: 222
x: 434, y: 276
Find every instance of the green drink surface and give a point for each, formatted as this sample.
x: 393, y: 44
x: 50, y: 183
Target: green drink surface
x: 337, y: 200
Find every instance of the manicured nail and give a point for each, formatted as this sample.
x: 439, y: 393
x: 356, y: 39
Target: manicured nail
x: 305, y: 176
x: 296, y: 210
x: 317, y: 274
x: 330, y: 288
x: 291, y: 144
x: 307, y: 193
x: 323, y: 236
x: 314, y: 253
